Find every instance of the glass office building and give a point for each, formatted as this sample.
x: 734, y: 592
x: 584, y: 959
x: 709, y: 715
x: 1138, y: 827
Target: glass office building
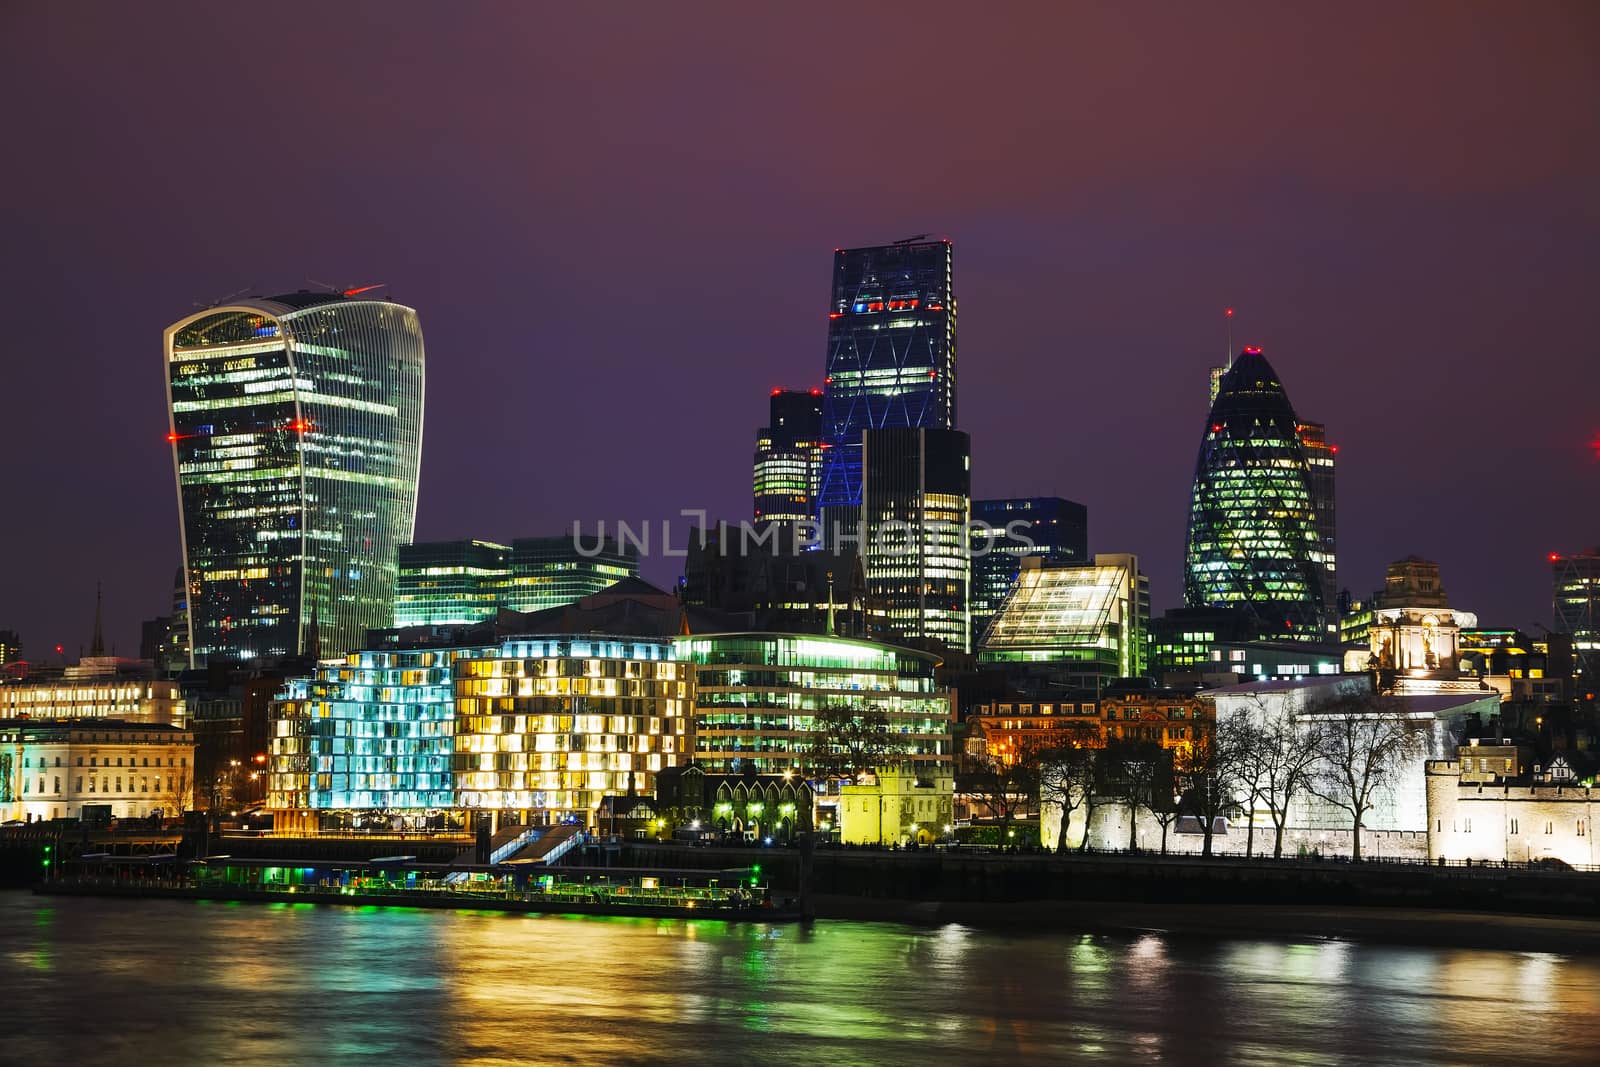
x: 758, y: 698
x: 296, y: 434
x: 1577, y: 610
x: 917, y: 562
x: 1004, y: 531
x: 374, y: 733
x: 443, y: 583
x: 1321, y: 462
x: 550, y: 725
x: 788, y: 459
x: 891, y: 353
x: 1085, y: 622
x: 550, y: 572
x: 1253, y: 538
x: 448, y: 583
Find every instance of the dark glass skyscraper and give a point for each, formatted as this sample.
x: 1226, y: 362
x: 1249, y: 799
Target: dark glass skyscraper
x: 891, y: 354
x: 1577, y: 609
x: 915, y: 503
x: 1004, y: 531
x: 788, y: 461
x: 1253, y: 537
x: 296, y: 433
x: 1321, y: 458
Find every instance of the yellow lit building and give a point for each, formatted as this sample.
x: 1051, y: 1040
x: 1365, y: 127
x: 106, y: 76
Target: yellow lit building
x: 897, y: 806
x: 53, y: 770
x: 102, y: 687
x: 550, y: 725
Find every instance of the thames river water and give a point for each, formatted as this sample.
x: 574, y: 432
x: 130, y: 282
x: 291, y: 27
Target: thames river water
x: 175, y: 982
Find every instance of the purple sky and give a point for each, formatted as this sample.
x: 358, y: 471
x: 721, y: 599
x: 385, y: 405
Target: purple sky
x: 618, y: 229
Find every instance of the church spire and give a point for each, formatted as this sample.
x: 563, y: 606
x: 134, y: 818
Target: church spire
x: 97, y: 645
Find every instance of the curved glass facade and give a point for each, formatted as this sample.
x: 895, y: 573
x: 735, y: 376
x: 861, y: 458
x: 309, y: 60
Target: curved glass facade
x: 1253, y: 536
x: 296, y: 434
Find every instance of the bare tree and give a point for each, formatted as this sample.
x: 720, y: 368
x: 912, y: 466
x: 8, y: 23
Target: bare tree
x: 1364, y: 743
x: 1288, y: 757
x: 847, y: 741
x: 1138, y: 773
x: 1068, y: 779
x: 1207, y: 773
x: 1006, y: 789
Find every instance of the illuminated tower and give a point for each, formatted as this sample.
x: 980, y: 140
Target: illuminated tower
x: 891, y: 353
x: 915, y: 506
x: 1577, y: 609
x: 1320, y: 462
x: 1253, y: 539
x: 296, y: 433
x: 788, y: 460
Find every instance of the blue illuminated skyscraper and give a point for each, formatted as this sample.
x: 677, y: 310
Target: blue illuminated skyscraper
x: 891, y: 354
x: 296, y: 434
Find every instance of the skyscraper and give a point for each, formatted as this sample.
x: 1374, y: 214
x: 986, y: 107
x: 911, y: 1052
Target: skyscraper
x: 1004, y: 531
x: 915, y: 503
x: 1321, y: 458
x: 1082, y: 624
x: 1577, y: 609
x: 788, y: 461
x: 453, y: 583
x: 296, y: 433
x: 891, y: 353
x: 1253, y: 538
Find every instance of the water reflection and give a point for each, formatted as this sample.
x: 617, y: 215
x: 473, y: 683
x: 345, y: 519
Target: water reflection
x: 97, y: 981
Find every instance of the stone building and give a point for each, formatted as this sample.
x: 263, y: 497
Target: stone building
x: 1487, y: 805
x: 898, y: 806
x: 73, y: 769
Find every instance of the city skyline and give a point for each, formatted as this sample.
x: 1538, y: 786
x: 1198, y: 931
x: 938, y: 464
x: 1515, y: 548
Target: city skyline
x: 1091, y: 297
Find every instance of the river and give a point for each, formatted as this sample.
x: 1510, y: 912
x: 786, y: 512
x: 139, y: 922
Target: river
x: 148, y: 982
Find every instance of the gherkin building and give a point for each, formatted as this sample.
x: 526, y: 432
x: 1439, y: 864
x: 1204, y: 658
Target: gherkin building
x: 1253, y: 538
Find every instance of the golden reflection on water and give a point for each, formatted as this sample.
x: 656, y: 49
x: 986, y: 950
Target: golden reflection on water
x: 303, y: 984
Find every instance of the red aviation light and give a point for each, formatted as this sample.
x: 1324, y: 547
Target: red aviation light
x: 1228, y: 312
x: 1555, y: 557
x: 775, y: 392
x: 1334, y: 449
x: 1216, y: 427
x: 1252, y: 350
x: 835, y: 314
x: 816, y: 392
x: 172, y: 438
x: 363, y: 289
x: 299, y: 426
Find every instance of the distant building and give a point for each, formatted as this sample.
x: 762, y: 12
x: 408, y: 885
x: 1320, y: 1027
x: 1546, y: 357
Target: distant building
x: 1173, y: 718
x: 1085, y: 624
x: 747, y: 806
x: 1577, y: 609
x: 454, y: 583
x: 1003, y: 531
x: 1321, y: 461
x: 296, y: 434
x: 914, y: 512
x: 1254, y: 539
x: 891, y: 354
x: 1520, y: 667
x: 97, y: 687
x: 10, y: 647
x: 788, y: 459
x: 777, y: 584
x: 1414, y: 635
x: 62, y: 770
x: 761, y: 700
x: 898, y: 806
x: 164, y: 640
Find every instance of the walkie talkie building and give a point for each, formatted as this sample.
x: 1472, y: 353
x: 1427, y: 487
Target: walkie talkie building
x: 296, y: 435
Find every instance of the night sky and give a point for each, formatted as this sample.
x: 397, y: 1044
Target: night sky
x: 617, y: 228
